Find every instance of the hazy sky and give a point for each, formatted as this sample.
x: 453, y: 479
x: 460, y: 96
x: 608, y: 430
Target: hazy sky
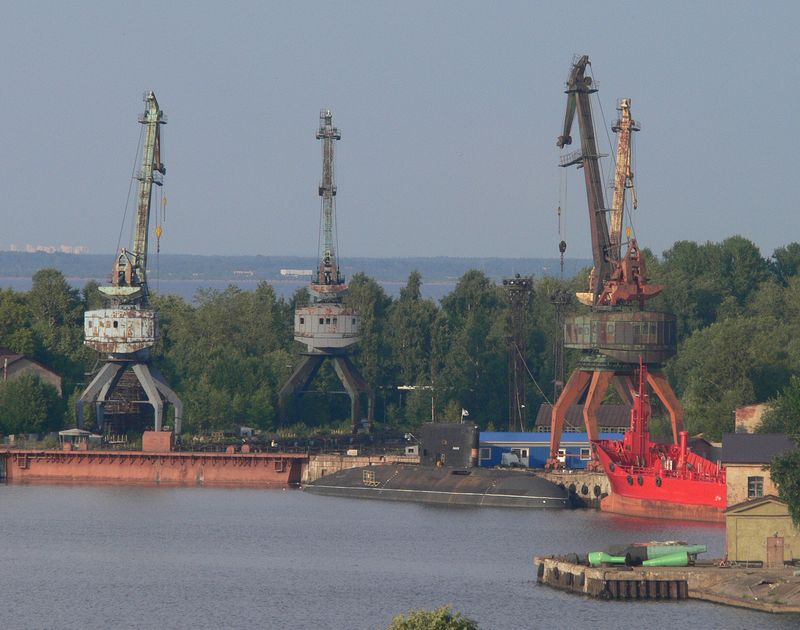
x: 449, y: 112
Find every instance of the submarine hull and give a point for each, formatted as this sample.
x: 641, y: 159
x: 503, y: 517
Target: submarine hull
x: 468, y: 487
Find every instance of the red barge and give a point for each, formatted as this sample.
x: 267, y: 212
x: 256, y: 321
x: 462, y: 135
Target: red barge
x: 656, y: 480
x: 156, y: 463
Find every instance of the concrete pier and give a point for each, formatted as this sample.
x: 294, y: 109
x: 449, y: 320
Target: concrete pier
x: 766, y: 590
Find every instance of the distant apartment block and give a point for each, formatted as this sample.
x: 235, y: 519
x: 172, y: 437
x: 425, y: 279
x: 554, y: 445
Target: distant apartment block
x: 49, y: 249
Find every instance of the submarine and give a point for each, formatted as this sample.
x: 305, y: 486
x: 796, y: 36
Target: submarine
x: 447, y: 474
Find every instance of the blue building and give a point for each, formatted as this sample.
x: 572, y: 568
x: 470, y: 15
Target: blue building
x: 533, y: 449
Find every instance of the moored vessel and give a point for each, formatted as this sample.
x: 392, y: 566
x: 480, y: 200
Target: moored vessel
x: 477, y: 487
x: 657, y: 480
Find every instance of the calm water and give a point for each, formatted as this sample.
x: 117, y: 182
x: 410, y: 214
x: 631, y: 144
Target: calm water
x: 147, y: 557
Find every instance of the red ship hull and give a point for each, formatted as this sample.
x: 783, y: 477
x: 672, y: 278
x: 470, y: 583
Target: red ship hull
x: 659, y: 480
x: 655, y: 493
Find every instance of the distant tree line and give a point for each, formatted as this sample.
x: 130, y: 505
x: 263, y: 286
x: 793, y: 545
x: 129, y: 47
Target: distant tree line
x: 228, y: 352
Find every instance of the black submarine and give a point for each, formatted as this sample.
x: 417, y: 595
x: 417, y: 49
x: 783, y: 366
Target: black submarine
x: 447, y: 474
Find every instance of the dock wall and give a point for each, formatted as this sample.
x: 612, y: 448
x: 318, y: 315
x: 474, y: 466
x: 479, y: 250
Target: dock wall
x: 604, y: 583
x: 589, y: 487
x: 233, y: 469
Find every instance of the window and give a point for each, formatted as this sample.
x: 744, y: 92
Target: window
x: 755, y: 487
x: 520, y: 452
x: 586, y: 454
x: 321, y: 320
x: 116, y: 324
x: 302, y: 320
x: 485, y: 454
x: 327, y: 320
x: 334, y: 320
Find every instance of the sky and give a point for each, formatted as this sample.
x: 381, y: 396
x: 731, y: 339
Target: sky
x: 449, y: 112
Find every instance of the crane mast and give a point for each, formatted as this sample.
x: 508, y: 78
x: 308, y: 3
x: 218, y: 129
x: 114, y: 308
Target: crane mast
x: 129, y: 280
x: 328, y: 283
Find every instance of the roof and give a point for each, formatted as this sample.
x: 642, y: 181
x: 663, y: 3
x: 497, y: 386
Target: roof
x: 754, y: 448
x: 74, y: 433
x: 539, y: 437
x: 9, y: 354
x: 616, y: 416
x: 748, y: 504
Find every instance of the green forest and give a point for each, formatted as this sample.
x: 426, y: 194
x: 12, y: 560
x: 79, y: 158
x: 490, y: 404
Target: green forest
x: 228, y: 352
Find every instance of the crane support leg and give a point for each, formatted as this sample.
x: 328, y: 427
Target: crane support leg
x: 170, y: 395
x: 355, y: 385
x: 109, y: 373
x: 154, y: 398
x: 597, y: 390
x: 594, y: 396
x: 666, y: 395
x: 575, y: 386
x: 298, y: 381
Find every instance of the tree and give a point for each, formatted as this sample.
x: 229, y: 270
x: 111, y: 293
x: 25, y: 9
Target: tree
x: 472, y: 338
x: 783, y: 414
x: 408, y: 331
x: 28, y: 406
x: 442, y: 618
x: 785, y: 472
x: 786, y: 262
x: 369, y: 299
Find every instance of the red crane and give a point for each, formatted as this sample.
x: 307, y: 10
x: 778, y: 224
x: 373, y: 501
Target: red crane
x: 617, y: 333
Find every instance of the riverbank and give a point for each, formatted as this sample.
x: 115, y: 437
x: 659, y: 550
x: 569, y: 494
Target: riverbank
x: 764, y: 590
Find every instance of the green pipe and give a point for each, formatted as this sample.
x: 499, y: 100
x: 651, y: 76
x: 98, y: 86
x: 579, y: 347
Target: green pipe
x: 596, y: 558
x: 637, y: 553
x: 680, y: 559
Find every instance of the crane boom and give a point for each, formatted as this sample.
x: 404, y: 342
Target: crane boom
x: 328, y: 283
x: 615, y: 279
x: 623, y: 175
x: 129, y: 280
x: 579, y: 87
x: 151, y: 173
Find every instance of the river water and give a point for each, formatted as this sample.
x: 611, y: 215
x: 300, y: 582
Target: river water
x: 154, y: 557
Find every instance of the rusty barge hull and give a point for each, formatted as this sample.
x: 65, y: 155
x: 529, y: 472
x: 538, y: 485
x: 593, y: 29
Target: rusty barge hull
x: 136, y: 467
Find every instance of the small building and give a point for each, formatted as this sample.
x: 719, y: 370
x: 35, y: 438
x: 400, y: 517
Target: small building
x: 78, y: 439
x: 754, y: 526
x: 14, y: 365
x: 745, y: 457
x: 533, y: 449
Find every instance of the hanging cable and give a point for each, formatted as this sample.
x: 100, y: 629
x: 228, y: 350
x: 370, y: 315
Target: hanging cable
x: 130, y: 187
x: 528, y: 370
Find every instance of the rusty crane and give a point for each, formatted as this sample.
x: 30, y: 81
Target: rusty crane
x: 128, y: 328
x: 617, y: 331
